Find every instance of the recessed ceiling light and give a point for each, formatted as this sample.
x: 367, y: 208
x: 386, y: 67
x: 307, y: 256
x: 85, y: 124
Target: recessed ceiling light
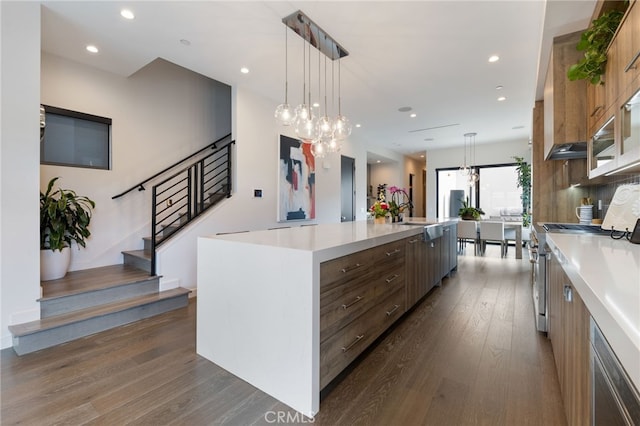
x: 185, y: 42
x: 378, y: 161
x: 316, y: 105
x: 502, y: 98
x: 517, y: 127
x: 421, y: 155
x: 405, y: 109
x: 412, y: 115
x: 498, y: 87
x: 127, y: 14
x: 428, y: 139
x: 244, y: 70
x: 494, y: 58
x: 358, y: 125
x: 91, y: 48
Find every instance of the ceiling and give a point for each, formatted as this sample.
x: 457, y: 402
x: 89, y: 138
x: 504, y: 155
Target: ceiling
x: 431, y: 56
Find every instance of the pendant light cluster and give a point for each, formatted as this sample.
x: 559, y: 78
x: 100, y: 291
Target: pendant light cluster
x: 323, y: 132
x: 470, y: 172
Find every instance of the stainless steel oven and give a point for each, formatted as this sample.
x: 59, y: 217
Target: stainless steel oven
x: 540, y: 256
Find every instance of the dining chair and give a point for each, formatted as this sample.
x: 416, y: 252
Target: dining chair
x: 492, y: 231
x: 468, y: 232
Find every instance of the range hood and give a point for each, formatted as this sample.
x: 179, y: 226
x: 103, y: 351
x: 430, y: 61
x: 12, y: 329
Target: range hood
x: 568, y: 151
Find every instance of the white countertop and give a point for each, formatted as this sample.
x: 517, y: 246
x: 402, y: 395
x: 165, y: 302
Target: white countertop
x: 606, y: 274
x: 328, y: 240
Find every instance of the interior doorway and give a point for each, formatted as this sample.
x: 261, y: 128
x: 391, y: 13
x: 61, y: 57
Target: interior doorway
x: 347, y: 189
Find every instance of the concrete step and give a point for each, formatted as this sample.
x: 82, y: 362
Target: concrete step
x: 47, y: 332
x: 95, y: 286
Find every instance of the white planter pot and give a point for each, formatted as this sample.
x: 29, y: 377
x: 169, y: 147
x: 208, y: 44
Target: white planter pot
x: 54, y: 264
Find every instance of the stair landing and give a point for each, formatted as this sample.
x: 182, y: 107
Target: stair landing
x: 93, y: 300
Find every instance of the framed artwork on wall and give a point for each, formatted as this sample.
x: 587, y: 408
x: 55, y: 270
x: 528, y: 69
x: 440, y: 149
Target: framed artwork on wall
x: 296, y: 181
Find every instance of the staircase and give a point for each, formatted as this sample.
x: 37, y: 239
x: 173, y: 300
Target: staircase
x: 93, y: 300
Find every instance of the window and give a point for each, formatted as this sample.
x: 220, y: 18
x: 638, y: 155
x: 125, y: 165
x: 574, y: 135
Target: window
x: 496, y: 193
x: 75, y: 139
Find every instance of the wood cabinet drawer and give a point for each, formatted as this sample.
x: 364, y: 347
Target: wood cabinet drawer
x: 339, y: 350
x: 338, y: 271
x: 343, y: 304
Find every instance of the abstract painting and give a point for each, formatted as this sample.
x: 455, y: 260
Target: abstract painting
x: 296, y: 181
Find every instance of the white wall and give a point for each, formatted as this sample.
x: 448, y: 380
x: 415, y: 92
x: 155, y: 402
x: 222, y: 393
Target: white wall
x: 19, y: 159
x: 160, y: 114
x: 163, y: 113
x: 495, y: 153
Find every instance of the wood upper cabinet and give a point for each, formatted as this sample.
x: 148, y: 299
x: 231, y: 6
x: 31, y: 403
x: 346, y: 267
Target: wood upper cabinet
x: 569, y: 334
x: 596, y: 105
x: 565, y: 101
x: 627, y: 53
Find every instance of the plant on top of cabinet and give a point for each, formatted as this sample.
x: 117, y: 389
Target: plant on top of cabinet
x: 594, y: 42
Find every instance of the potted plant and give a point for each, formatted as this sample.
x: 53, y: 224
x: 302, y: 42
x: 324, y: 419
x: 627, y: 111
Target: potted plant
x: 64, y: 217
x: 524, y: 181
x: 595, y: 41
x: 467, y: 212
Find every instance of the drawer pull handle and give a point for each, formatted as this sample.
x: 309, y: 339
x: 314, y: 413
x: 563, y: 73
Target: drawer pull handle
x: 632, y: 63
x: 413, y: 241
x: 356, y: 300
x: 598, y: 108
x: 396, y: 251
x: 392, y: 278
x: 350, y: 268
x: 395, y: 308
x: 358, y: 338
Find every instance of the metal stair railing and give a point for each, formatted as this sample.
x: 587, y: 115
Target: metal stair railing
x: 186, y: 194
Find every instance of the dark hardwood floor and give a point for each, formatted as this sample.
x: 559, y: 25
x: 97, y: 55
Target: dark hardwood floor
x: 467, y: 354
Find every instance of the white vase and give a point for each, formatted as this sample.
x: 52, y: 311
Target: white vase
x: 54, y: 264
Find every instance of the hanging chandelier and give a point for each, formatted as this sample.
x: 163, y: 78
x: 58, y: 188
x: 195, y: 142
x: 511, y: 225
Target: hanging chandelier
x: 474, y: 177
x: 325, y: 133
x: 465, y: 170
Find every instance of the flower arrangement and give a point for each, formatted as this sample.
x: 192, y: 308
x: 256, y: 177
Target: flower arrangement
x: 399, y: 201
x: 380, y: 208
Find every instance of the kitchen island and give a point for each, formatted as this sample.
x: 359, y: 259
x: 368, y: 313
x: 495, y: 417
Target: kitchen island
x: 260, y: 314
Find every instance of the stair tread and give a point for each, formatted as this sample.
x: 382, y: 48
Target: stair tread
x: 97, y: 311
x: 144, y: 254
x: 76, y: 282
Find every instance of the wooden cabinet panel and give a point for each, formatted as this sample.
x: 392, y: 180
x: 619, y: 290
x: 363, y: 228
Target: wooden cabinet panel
x: 596, y: 105
x: 360, y: 296
x: 342, y: 348
x: 565, y: 101
x: 569, y: 334
x: 628, y: 47
x: 416, y: 269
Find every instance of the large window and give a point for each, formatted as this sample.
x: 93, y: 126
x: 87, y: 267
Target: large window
x: 75, y: 139
x: 496, y: 192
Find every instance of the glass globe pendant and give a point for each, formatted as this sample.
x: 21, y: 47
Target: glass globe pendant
x: 342, y: 128
x: 284, y: 115
x: 333, y: 145
x: 318, y: 149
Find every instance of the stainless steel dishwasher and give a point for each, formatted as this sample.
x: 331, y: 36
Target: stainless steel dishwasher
x: 615, y: 401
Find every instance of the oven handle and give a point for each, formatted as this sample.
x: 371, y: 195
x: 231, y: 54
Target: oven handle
x: 533, y: 255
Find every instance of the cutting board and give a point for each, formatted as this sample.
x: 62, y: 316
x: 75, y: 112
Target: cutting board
x: 624, y: 209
